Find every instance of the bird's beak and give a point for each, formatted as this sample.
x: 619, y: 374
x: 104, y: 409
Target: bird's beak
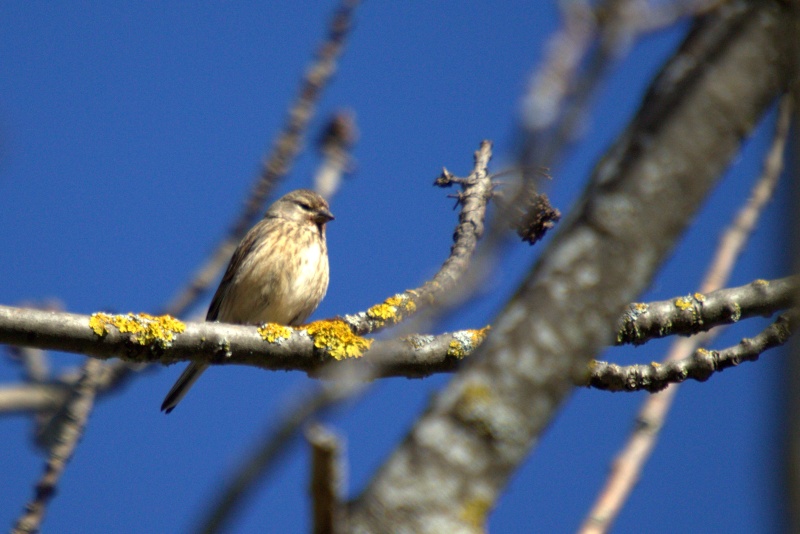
x: 323, y: 215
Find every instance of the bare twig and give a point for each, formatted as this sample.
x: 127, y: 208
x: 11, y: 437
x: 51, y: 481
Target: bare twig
x: 78, y: 408
x: 632, y: 457
x: 335, y: 145
x: 36, y: 397
x: 327, y: 472
x: 142, y: 339
x: 476, y: 190
x: 258, y: 464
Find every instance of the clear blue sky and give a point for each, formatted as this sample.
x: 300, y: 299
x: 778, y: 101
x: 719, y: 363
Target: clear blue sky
x: 131, y: 132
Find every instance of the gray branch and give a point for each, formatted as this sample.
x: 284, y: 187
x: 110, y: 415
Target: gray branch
x: 413, y: 356
x: 476, y: 190
x: 700, y: 366
x: 327, y: 474
x: 225, y: 344
x: 695, y: 313
x: 77, y: 409
x: 449, y: 471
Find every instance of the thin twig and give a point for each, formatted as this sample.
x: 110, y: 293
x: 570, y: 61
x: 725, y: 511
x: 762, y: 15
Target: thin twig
x: 592, y: 39
x: 78, y: 408
x: 629, y: 462
x: 261, y: 461
x: 32, y: 397
x: 327, y: 473
x: 476, y: 190
x: 335, y: 144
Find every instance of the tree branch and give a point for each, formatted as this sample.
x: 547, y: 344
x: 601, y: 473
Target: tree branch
x: 147, y: 339
x: 326, y: 480
x: 476, y: 190
x: 474, y: 434
x: 629, y: 462
x: 413, y: 356
x: 77, y: 409
x: 265, y: 456
x: 692, y: 314
x: 700, y: 366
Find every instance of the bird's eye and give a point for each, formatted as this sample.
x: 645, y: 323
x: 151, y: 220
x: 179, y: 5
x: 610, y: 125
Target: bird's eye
x: 304, y: 205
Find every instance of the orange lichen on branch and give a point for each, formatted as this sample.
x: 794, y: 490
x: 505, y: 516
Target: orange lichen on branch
x: 336, y: 339
x: 393, y: 308
x: 145, y: 329
x: 474, y: 511
x: 274, y: 333
x: 466, y: 341
x: 684, y: 303
x: 476, y: 404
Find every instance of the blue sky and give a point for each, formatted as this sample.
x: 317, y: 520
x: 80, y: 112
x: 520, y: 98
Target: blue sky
x: 130, y: 134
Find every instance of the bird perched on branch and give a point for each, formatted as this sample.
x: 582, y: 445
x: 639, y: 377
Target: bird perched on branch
x: 278, y: 274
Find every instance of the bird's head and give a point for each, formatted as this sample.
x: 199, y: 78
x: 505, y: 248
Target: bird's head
x: 302, y: 206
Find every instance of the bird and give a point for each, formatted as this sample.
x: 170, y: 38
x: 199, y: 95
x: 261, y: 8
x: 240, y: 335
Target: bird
x: 278, y: 274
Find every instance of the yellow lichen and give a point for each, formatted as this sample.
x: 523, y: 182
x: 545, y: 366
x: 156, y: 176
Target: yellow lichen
x: 456, y: 349
x: 474, y: 511
x: 475, y: 408
x: 699, y: 297
x: 98, y: 322
x: 273, y: 333
x: 392, y: 308
x: 683, y: 303
x: 761, y: 282
x: 476, y: 394
x: 639, y: 307
x: 336, y: 338
x: 382, y: 311
x: 466, y: 341
x: 145, y: 329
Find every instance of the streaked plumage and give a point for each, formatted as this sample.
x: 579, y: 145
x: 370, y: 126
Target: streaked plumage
x: 278, y: 274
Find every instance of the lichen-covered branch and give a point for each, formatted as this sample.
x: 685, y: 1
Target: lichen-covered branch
x: 476, y: 190
x: 700, y: 366
x: 643, y: 195
x: 628, y: 464
x: 143, y: 338
x: 697, y: 312
x: 147, y: 339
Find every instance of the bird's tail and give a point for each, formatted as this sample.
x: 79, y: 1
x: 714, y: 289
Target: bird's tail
x: 181, y: 387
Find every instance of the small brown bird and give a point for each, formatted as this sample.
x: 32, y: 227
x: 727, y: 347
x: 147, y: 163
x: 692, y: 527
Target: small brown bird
x: 278, y: 274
